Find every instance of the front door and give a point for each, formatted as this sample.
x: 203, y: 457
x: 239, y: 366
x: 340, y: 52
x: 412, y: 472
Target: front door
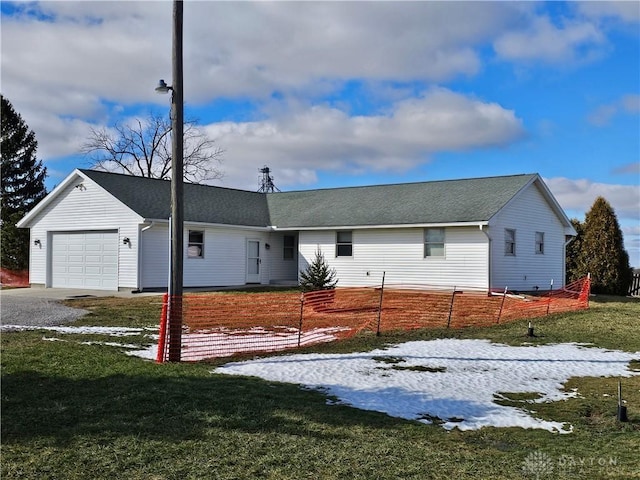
x: 253, y: 261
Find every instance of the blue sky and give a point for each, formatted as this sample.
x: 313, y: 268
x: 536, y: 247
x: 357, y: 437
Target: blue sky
x: 351, y: 93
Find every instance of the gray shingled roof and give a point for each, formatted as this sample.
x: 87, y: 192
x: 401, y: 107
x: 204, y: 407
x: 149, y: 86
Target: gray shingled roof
x: 151, y: 199
x: 472, y: 200
x: 449, y: 201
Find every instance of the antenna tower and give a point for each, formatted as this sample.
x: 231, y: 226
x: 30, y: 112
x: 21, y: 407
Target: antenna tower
x: 266, y: 182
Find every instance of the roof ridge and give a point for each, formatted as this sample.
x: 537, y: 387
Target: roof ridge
x: 424, y: 182
x: 189, y: 184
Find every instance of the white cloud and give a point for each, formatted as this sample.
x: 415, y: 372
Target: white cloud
x: 325, y: 138
x: 604, y: 114
x: 630, y: 168
x: 579, y: 195
x: 627, y: 10
x: 542, y: 40
x: 631, y: 103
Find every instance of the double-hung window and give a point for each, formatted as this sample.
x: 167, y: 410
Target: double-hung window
x: 195, y: 247
x: 509, y: 241
x: 433, y: 242
x: 344, y: 243
x: 289, y: 247
x: 540, y: 242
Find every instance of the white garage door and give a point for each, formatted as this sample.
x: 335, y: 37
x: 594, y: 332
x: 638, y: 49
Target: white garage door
x: 85, y: 260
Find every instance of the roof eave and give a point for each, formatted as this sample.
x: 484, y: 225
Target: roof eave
x: 376, y: 227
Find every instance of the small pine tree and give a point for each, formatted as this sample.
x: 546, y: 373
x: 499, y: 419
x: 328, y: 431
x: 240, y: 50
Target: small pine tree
x: 602, y: 251
x: 318, y: 275
x: 22, y: 186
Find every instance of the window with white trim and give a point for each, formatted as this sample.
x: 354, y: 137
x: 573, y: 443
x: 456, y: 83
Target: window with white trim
x: 344, y: 243
x: 195, y: 247
x: 433, y: 242
x: 540, y: 243
x: 509, y: 241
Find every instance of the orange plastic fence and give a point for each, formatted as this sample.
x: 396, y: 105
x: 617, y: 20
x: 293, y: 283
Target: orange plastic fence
x: 14, y: 278
x: 226, y: 324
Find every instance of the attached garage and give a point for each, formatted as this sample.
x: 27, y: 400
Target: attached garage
x: 85, y: 260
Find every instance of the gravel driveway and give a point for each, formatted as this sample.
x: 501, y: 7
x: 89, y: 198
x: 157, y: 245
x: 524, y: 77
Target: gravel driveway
x: 19, y: 310
x: 41, y: 306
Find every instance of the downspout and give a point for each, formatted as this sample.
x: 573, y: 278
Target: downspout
x: 138, y: 279
x: 489, y: 269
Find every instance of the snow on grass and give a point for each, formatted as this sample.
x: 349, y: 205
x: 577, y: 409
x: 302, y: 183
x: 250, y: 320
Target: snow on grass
x: 453, y: 382
x: 223, y: 342
x: 111, y: 331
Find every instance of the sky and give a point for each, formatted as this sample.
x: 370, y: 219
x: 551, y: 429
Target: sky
x: 334, y: 94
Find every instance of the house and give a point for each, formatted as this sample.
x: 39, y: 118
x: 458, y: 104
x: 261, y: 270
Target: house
x: 101, y: 230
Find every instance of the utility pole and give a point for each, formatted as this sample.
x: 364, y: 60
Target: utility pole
x: 177, y: 190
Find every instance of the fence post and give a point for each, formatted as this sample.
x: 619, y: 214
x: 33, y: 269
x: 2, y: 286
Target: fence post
x: 453, y: 296
x: 380, y: 305
x: 549, y: 301
x: 504, y: 296
x: 301, y: 315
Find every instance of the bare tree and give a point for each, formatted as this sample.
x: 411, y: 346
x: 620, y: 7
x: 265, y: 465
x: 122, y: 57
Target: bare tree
x: 143, y: 148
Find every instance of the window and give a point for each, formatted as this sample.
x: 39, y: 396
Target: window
x: 540, y: 242
x: 509, y: 241
x: 289, y: 247
x: 195, y: 248
x: 344, y: 244
x: 434, y: 242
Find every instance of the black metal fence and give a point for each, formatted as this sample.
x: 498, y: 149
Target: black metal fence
x: 634, y: 287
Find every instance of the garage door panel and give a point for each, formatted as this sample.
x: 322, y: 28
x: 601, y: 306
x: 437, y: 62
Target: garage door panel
x: 85, y: 260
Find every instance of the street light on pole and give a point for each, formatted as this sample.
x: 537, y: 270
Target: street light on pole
x: 177, y: 188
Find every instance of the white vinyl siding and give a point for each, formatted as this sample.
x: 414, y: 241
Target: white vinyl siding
x: 528, y: 213
x: 400, y: 253
x: 224, y: 263
x: 80, y: 210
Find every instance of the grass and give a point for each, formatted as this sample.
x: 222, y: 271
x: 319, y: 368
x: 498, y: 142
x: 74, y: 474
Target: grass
x: 72, y: 411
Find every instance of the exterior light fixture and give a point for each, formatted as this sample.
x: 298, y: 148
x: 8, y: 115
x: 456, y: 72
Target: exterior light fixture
x: 163, y: 87
x: 126, y: 241
x: 37, y: 242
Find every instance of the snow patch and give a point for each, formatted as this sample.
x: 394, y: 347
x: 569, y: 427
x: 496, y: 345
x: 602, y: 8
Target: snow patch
x: 457, y: 388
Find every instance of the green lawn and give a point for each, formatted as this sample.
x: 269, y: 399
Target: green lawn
x: 73, y: 411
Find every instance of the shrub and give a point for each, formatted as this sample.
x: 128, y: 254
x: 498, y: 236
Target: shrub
x: 318, y: 275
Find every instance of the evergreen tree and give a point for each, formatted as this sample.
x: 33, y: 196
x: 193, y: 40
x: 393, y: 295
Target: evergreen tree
x: 318, y: 275
x: 22, y: 186
x: 602, y: 251
x: 573, y: 269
